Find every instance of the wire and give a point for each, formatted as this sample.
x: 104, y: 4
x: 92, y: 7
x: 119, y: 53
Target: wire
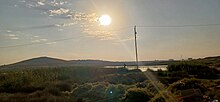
x: 28, y: 44
x: 57, y: 40
x: 122, y: 28
x: 193, y: 25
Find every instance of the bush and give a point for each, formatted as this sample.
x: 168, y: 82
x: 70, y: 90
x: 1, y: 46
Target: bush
x: 152, y: 86
x: 192, y: 68
x: 164, y: 96
x: 82, y: 90
x: 181, y: 74
x: 115, y: 92
x: 63, y: 86
x: 187, y: 84
x: 137, y: 95
x: 53, y: 90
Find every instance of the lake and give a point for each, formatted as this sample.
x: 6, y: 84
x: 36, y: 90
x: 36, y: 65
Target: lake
x: 142, y: 68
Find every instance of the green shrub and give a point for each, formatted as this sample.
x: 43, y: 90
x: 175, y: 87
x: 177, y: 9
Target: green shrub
x: 82, y: 90
x: 137, y: 95
x: 63, y: 86
x: 53, y: 90
x: 187, y: 84
x: 164, y: 96
x: 192, y: 68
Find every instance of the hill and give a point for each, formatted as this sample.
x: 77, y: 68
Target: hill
x: 39, y: 62
x: 55, y: 62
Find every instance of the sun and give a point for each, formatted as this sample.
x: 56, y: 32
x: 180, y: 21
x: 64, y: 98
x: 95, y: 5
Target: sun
x: 105, y: 20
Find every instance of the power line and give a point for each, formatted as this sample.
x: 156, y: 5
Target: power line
x: 28, y: 44
x: 57, y: 40
x: 192, y: 25
x: 123, y: 28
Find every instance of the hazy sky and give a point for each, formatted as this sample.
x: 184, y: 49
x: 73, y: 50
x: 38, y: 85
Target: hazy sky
x: 68, y: 29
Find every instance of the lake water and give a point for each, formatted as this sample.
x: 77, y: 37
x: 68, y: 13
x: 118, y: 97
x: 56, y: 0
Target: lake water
x: 142, y: 68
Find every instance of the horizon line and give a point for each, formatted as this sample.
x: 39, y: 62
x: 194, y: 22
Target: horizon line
x: 59, y: 58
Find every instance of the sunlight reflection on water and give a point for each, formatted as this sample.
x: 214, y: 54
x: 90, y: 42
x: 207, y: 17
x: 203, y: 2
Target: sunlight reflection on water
x: 142, y: 68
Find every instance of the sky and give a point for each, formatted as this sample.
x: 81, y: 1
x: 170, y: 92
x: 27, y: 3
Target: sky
x: 69, y: 29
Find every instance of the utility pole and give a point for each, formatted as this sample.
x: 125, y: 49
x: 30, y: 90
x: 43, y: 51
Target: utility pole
x: 135, y: 43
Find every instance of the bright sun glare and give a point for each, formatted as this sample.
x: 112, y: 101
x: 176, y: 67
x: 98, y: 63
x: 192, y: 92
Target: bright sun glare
x: 105, y: 20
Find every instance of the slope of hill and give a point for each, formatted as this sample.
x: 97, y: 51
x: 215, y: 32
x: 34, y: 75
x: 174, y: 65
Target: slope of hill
x: 54, y: 62
x: 89, y: 63
x: 39, y: 62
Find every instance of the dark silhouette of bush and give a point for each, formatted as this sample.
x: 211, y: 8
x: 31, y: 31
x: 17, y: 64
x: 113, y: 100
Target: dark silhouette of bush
x: 164, y: 96
x: 169, y: 80
x: 63, y: 86
x: 18, y: 82
x: 181, y: 74
x: 162, y: 73
x: 53, y: 90
x: 137, y: 95
x: 99, y: 91
x: 153, y: 86
x: 114, y: 92
x: 200, y: 70
x: 187, y: 84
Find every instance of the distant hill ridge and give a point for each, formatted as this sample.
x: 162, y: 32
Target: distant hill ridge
x: 55, y: 62
x: 40, y: 61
